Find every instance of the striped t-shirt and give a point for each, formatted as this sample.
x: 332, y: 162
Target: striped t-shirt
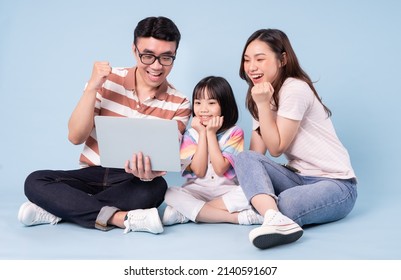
x: 117, y: 97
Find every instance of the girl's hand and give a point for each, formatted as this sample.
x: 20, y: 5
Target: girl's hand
x: 214, y: 124
x: 262, y: 92
x: 197, y: 125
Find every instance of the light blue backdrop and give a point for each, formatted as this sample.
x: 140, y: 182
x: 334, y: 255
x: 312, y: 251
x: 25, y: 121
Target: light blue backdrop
x: 351, y: 48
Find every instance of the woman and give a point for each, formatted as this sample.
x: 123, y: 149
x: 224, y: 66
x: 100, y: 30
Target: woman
x: 318, y: 184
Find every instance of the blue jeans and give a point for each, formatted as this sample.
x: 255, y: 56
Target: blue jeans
x: 304, y: 199
x: 78, y: 196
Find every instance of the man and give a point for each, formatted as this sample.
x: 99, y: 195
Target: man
x: 104, y: 198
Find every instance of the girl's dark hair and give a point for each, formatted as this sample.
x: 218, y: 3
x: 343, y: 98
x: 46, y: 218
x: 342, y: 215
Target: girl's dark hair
x: 160, y: 28
x: 218, y: 88
x: 279, y: 44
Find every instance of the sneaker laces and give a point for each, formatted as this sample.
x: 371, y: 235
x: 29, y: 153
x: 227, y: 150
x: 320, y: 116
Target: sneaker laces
x: 253, y: 217
x: 135, y: 221
x: 249, y: 217
x: 273, y: 217
x: 42, y: 216
x: 181, y: 218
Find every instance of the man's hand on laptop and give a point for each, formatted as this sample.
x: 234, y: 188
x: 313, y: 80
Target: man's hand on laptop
x: 141, y: 167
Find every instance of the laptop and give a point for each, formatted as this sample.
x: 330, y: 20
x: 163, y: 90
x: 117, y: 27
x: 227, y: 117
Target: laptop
x: 120, y: 137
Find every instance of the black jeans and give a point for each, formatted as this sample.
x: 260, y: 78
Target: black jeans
x: 77, y: 196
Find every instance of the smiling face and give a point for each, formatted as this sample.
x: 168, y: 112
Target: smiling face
x: 260, y: 62
x: 155, y: 74
x: 205, y: 108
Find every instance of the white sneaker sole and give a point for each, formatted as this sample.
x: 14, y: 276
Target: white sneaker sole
x: 265, y: 237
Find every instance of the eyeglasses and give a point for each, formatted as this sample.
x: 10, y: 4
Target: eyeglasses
x: 149, y: 59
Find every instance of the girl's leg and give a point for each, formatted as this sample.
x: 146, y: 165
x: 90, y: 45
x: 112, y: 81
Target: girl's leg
x: 184, y: 200
x: 215, y: 211
x: 190, y: 201
x: 209, y: 205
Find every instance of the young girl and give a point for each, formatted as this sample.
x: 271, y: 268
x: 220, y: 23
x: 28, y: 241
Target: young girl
x: 211, y: 193
x: 318, y: 185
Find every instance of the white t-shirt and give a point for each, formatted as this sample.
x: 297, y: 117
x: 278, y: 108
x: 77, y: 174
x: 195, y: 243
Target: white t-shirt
x: 316, y: 149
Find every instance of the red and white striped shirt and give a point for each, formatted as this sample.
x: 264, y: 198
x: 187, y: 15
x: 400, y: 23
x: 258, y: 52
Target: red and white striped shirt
x: 117, y: 97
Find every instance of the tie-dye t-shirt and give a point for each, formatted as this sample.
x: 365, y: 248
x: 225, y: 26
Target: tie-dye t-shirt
x: 231, y: 143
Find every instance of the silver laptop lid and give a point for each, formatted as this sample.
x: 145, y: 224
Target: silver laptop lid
x: 120, y: 137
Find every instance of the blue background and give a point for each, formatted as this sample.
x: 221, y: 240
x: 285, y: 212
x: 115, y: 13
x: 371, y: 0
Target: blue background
x: 350, y: 48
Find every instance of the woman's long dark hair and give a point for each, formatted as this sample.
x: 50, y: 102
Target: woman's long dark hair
x: 279, y: 44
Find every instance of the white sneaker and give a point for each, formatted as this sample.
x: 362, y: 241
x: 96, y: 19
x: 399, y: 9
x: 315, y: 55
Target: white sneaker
x: 277, y: 229
x: 172, y: 216
x: 143, y: 220
x: 249, y: 217
x: 30, y: 214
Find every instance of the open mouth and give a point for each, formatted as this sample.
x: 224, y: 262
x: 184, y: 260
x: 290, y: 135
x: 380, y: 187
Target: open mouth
x: 256, y: 77
x: 154, y: 76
